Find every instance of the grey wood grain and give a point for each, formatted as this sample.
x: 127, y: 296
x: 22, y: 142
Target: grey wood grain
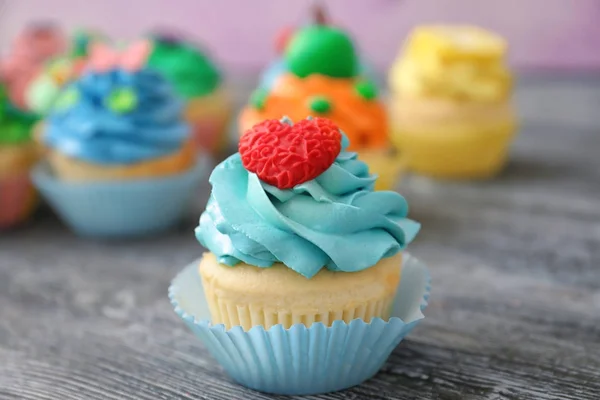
x: 514, y: 313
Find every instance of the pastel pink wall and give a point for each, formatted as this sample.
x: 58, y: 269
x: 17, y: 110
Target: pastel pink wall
x: 542, y: 33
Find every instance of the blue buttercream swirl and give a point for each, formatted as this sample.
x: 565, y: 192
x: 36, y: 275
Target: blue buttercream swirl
x: 147, y: 124
x: 335, y: 221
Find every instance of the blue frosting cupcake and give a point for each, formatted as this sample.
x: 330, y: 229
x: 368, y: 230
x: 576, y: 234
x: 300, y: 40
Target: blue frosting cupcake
x: 303, y: 273
x: 336, y: 220
x: 117, y: 123
x: 118, y: 148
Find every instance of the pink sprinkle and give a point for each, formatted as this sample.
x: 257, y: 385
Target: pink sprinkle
x: 134, y: 58
x: 102, y: 58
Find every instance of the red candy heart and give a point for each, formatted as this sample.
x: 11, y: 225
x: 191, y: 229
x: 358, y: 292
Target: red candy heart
x: 286, y: 155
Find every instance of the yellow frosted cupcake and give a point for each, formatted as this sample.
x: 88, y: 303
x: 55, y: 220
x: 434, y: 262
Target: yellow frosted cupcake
x: 296, y: 232
x: 451, y: 108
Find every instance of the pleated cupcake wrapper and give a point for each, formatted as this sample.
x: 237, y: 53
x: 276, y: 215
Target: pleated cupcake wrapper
x: 17, y: 199
x: 127, y: 208
x: 303, y: 360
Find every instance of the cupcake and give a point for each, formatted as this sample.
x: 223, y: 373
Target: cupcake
x: 18, y: 153
x: 301, y: 247
x: 45, y: 87
x: 282, y: 186
x: 452, y: 114
x: 323, y: 82
x: 119, y: 149
x: 31, y: 49
x: 195, y: 78
x: 279, y: 66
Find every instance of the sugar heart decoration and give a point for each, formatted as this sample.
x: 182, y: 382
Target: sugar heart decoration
x: 286, y: 155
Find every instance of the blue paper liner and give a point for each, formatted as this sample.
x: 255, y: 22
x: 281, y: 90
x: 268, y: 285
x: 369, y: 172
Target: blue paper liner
x: 301, y: 360
x: 116, y: 209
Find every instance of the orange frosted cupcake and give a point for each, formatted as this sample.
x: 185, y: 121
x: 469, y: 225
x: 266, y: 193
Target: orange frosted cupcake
x: 320, y: 95
x: 324, y: 80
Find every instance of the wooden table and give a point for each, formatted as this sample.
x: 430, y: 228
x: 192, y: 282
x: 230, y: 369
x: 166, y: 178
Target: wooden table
x: 514, y: 312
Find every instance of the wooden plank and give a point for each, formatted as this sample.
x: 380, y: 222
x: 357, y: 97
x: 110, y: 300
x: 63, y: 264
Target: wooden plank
x: 515, y: 310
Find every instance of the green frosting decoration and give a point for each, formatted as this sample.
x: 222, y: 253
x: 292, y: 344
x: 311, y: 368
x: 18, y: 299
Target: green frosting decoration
x: 319, y: 104
x: 321, y: 49
x: 42, y: 93
x: 366, y: 89
x: 259, y: 98
x: 190, y: 72
x: 67, y: 99
x: 15, y: 125
x: 45, y: 89
x: 81, y: 43
x: 122, y: 100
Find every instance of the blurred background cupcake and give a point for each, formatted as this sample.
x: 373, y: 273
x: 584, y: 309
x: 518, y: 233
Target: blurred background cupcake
x: 35, y: 45
x: 45, y: 87
x: 197, y: 79
x: 451, y: 107
x: 323, y: 79
x: 18, y: 153
x: 121, y: 161
x: 318, y: 16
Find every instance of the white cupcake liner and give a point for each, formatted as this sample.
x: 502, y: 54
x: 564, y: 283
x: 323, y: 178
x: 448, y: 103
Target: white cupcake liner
x: 115, y: 209
x: 301, y: 360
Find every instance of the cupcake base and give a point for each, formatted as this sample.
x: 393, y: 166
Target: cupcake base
x: 71, y: 169
x: 247, y: 296
x: 453, y: 140
x: 17, y: 159
x: 18, y: 199
x: 303, y: 360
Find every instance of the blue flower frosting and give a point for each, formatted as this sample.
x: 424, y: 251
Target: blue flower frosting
x: 335, y: 221
x: 117, y: 117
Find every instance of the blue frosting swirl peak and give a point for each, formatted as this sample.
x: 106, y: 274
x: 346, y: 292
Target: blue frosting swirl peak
x: 335, y: 221
x: 117, y: 117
